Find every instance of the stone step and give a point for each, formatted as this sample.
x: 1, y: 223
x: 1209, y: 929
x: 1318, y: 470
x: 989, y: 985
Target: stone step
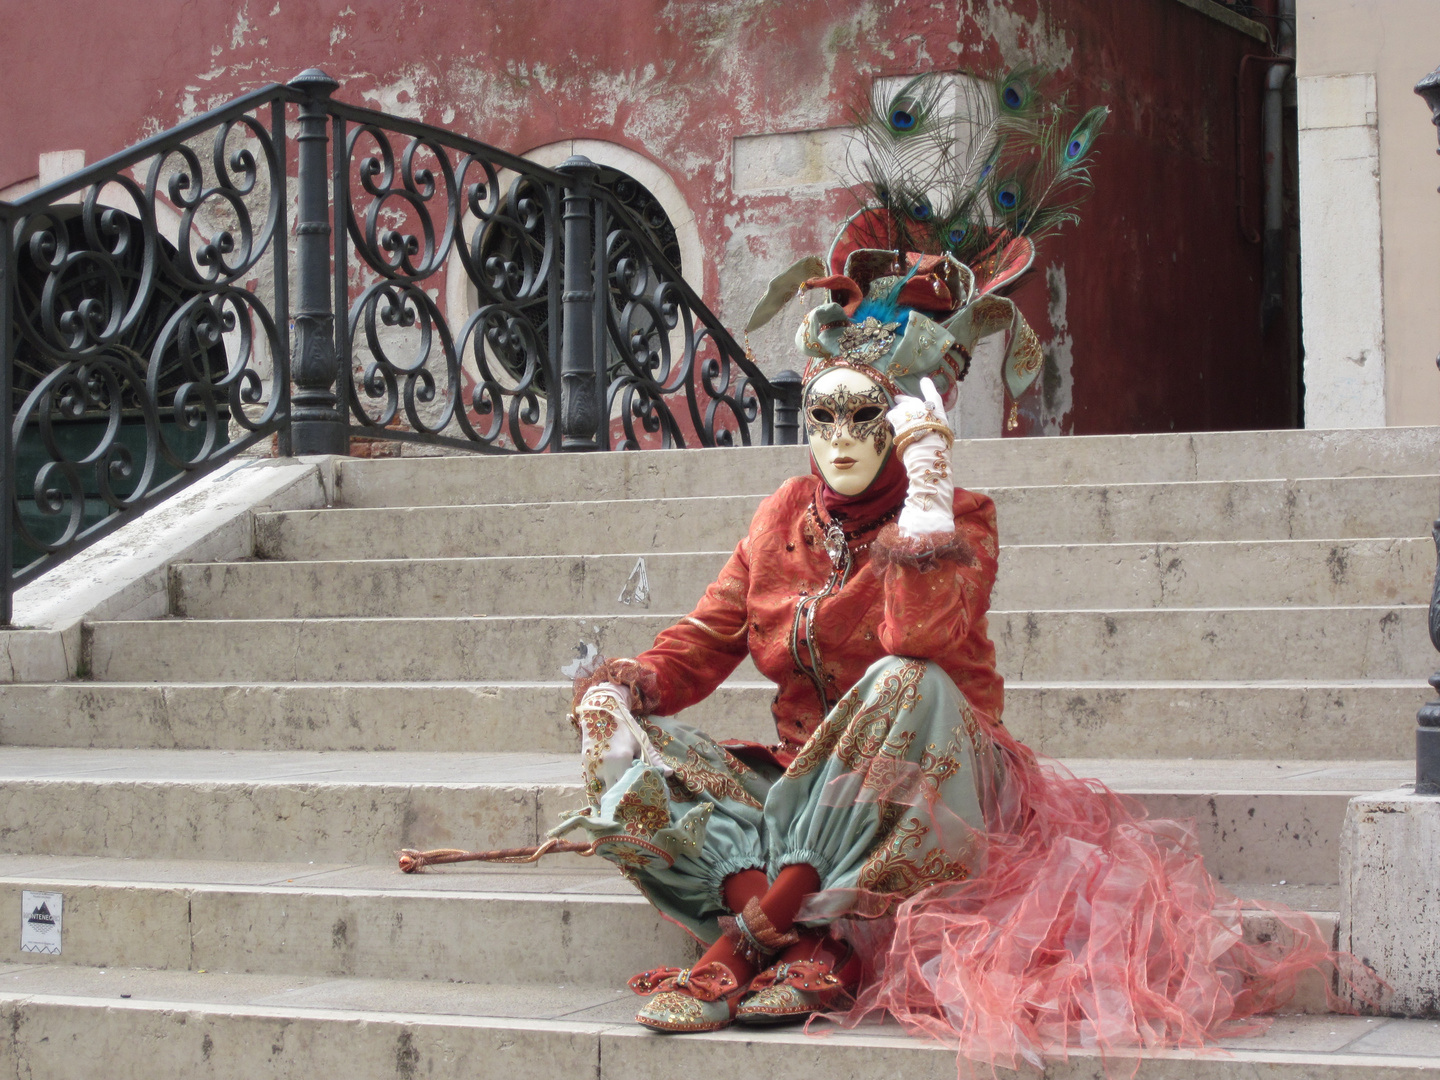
x: 1319, y: 643
x: 518, y: 925
x: 275, y: 805
x: 1245, y: 573
x: 1321, y: 720
x: 1107, y: 459
x: 1257, y: 820
x: 76, y: 1023
x: 1307, y: 509
x: 1216, y: 643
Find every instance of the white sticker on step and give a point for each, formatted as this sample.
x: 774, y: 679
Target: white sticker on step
x: 40, y: 922
x: 637, y: 589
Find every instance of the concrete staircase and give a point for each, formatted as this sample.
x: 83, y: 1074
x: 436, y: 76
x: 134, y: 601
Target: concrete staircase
x: 1230, y: 627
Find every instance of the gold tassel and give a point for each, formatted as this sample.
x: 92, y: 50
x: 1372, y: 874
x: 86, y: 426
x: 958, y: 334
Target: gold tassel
x: 1014, y: 420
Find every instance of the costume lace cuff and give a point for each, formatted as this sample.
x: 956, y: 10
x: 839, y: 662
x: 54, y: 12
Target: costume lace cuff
x: 891, y: 547
x: 643, y: 684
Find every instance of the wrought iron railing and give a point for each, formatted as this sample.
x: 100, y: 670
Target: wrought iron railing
x: 464, y: 297
x: 141, y: 307
x: 419, y: 204
x: 666, y: 348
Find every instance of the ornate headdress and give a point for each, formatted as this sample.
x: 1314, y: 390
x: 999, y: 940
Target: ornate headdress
x: 956, y: 204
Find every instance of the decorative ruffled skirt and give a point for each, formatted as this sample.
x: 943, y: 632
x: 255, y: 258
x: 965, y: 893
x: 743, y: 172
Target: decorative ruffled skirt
x: 998, y: 902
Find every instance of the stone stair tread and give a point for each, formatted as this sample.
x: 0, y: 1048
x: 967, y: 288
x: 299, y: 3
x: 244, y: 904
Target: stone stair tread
x: 1121, y: 548
x: 1380, y: 640
x: 1157, y: 458
x: 1330, y: 718
x: 466, y: 879
x: 420, y: 998
x: 1315, y: 508
x: 567, y: 921
x: 652, y: 616
x: 446, y: 768
x: 755, y: 685
x: 287, y: 766
x: 476, y: 880
x: 981, y: 488
x: 680, y: 614
x: 1219, y: 573
x: 560, y: 1030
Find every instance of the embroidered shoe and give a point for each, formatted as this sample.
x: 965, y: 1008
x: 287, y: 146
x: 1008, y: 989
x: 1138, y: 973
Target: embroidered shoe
x: 685, y: 1000
x: 798, y: 989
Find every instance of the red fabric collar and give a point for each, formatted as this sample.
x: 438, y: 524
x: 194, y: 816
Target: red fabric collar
x: 886, y: 491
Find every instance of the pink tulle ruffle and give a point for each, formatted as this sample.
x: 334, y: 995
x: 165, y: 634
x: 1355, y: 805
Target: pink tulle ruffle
x: 1091, y: 927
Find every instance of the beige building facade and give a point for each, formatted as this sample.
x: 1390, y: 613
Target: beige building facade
x: 1369, y: 212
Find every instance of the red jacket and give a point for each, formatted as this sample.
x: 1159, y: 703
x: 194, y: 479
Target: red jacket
x: 925, y: 599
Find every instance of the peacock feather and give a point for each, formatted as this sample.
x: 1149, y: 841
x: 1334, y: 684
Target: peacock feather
x: 967, y: 167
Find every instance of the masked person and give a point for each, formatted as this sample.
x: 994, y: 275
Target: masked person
x: 896, y: 849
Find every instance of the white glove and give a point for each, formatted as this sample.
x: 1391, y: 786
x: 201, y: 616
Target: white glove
x: 611, y: 740
x: 923, y: 439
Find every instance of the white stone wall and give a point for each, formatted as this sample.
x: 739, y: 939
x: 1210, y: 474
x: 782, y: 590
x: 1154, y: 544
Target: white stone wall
x: 1341, y: 240
x: 1369, y: 54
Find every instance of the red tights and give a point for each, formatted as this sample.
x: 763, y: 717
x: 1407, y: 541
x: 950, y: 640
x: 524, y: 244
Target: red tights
x: 779, y: 901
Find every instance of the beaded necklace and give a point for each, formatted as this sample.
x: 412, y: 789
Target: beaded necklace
x: 840, y: 546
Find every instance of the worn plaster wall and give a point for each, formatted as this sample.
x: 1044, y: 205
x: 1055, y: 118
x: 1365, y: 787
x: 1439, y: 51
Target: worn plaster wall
x: 1343, y: 243
x: 1387, y: 46
x: 1149, y: 309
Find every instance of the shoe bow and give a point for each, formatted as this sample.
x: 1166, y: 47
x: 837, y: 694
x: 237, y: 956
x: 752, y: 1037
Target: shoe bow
x: 801, y: 974
x: 706, y: 982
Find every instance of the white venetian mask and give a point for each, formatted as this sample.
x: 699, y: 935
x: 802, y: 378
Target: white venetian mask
x: 849, y: 435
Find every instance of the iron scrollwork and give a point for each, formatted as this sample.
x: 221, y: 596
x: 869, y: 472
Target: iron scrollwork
x: 406, y: 214
x: 140, y: 358
x: 672, y: 371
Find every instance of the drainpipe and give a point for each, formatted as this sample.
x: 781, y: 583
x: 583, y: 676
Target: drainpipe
x: 1273, y: 298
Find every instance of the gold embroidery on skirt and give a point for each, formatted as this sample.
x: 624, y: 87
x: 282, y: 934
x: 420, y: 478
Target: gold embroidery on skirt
x: 855, y: 730
x: 695, y: 777
x: 891, y: 870
x: 659, y: 737
x: 938, y: 767
x: 644, y: 809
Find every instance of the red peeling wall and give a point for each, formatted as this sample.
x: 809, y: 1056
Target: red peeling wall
x: 1150, y: 308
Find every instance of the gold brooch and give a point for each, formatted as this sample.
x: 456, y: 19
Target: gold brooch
x: 869, y: 340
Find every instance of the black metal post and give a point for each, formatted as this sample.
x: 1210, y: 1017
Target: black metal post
x: 787, y: 385
x: 7, y: 456
x: 579, y: 415
x: 317, y: 425
x: 1427, y: 720
x: 280, y: 260
x: 1427, y: 730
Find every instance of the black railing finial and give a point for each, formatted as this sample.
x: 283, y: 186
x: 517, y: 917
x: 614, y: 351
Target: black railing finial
x: 315, y: 83
x: 787, y: 386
